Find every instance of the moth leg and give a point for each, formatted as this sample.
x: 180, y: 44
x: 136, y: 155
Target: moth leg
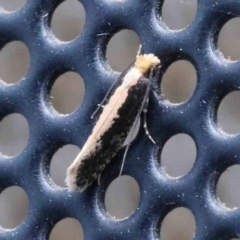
x: 139, y: 51
x: 101, y: 105
x: 155, y: 83
x: 130, y: 141
x: 145, y: 124
x: 99, y: 179
x: 145, y: 121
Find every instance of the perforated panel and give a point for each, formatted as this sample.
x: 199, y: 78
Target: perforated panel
x: 49, y: 131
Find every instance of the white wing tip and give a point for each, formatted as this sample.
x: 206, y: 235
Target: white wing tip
x: 71, y: 180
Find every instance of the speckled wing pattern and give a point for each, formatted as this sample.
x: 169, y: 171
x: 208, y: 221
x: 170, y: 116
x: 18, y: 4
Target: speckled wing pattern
x: 93, y: 164
x: 125, y: 104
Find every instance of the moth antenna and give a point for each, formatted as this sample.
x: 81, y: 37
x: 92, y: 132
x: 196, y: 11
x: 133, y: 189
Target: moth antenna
x: 103, y: 101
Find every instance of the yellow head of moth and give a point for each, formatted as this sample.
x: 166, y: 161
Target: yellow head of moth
x: 145, y: 62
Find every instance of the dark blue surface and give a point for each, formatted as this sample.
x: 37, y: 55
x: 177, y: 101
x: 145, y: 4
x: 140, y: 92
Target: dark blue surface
x: 50, y: 131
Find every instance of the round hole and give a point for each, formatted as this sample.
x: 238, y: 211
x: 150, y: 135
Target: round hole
x: 122, y: 197
x: 67, y: 93
x: 228, y: 40
x: 228, y: 114
x: 227, y: 187
x: 178, y: 224
x: 12, y: 5
x: 14, y: 62
x: 178, y: 14
x: 179, y: 82
x: 13, y: 207
x: 14, y: 134
x: 61, y: 160
x: 68, y: 228
x: 122, y: 50
x: 178, y: 155
x: 68, y: 20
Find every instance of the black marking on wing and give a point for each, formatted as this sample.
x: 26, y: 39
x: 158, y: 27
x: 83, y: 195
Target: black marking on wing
x: 117, y: 84
x: 112, y: 140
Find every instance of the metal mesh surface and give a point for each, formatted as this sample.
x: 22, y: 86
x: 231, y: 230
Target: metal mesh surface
x: 49, y: 131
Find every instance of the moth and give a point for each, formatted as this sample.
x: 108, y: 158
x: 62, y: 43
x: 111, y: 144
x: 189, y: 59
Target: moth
x: 125, y: 101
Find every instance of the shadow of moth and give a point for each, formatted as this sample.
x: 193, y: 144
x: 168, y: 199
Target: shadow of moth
x: 128, y: 98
